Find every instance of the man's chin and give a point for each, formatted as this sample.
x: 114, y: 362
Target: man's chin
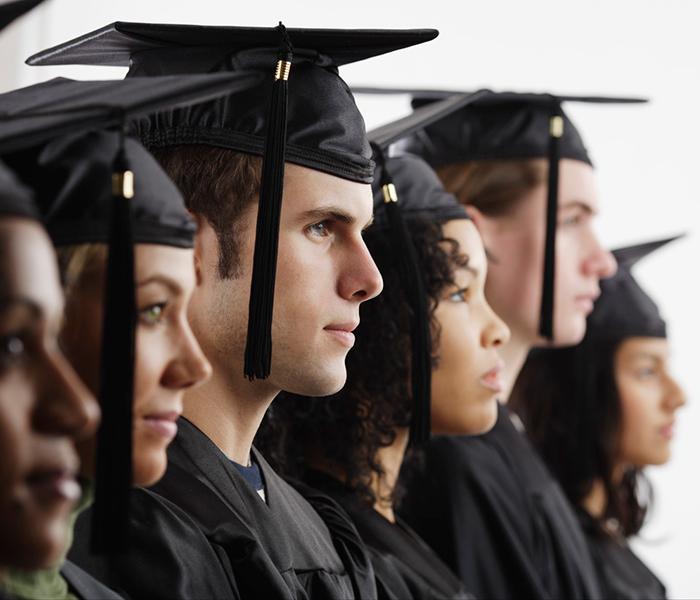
x: 318, y: 381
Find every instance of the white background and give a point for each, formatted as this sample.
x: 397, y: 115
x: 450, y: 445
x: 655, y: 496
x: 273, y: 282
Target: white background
x: 646, y: 156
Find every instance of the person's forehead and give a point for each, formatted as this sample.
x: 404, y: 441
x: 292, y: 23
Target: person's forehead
x: 28, y: 267
x: 167, y: 262
x: 307, y: 189
x: 577, y: 181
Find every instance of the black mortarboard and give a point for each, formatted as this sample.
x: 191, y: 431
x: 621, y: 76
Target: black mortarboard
x: 9, y: 11
x: 309, y: 119
x: 16, y: 200
x: 508, y: 126
x: 406, y: 188
x: 34, y: 114
x: 624, y: 309
x: 101, y: 186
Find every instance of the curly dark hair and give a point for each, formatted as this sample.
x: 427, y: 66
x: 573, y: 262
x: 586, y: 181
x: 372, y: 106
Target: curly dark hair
x: 570, y: 406
x: 348, y: 428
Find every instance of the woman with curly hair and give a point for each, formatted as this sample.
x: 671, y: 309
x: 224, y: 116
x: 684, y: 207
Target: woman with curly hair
x: 352, y: 446
x: 619, y: 419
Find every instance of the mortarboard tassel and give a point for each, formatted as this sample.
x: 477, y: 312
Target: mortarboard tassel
x: 412, y: 279
x: 258, y: 351
x: 556, y: 130
x: 113, y: 477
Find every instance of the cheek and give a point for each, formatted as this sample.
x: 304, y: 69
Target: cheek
x: 640, y: 421
x: 81, y: 340
x: 14, y: 430
x: 153, y: 350
x: 305, y: 281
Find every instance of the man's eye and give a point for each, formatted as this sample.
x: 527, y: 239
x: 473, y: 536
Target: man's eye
x: 571, y: 220
x: 320, y: 229
x: 153, y: 314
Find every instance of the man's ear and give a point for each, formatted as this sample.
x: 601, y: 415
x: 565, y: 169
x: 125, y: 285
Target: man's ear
x: 477, y: 216
x: 198, y: 247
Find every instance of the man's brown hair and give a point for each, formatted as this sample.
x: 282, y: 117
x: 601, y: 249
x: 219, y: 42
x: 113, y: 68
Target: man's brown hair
x: 495, y: 187
x: 218, y: 184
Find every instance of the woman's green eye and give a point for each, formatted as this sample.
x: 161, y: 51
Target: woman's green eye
x: 153, y: 314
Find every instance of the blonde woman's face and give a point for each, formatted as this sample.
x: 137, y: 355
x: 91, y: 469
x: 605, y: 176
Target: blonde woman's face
x: 168, y: 358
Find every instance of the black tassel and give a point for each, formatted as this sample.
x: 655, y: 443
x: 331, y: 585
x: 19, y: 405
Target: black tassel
x: 414, y: 288
x: 113, y: 478
x: 556, y: 130
x: 258, y: 350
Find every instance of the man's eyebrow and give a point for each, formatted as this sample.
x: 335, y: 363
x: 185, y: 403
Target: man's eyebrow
x: 580, y: 204
x: 172, y: 284
x: 325, y: 212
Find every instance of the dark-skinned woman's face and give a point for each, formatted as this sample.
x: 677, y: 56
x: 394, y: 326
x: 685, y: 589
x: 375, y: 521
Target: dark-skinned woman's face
x: 44, y: 407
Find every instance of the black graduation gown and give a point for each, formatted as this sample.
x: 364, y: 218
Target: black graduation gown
x: 404, y: 565
x: 203, y: 532
x: 621, y: 573
x: 489, y: 507
x: 84, y: 586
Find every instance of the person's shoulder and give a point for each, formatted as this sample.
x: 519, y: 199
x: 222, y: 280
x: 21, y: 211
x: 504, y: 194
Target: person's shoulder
x: 84, y: 585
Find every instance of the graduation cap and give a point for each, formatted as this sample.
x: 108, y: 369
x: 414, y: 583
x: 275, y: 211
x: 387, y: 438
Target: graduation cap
x: 104, y: 187
x: 9, y: 11
x: 624, y: 309
x: 16, y: 200
x: 508, y: 126
x: 406, y: 188
x: 32, y: 115
x: 305, y: 114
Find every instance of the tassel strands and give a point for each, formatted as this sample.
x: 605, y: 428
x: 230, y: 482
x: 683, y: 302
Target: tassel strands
x: 114, y: 439
x: 556, y: 131
x: 412, y: 278
x: 258, y: 351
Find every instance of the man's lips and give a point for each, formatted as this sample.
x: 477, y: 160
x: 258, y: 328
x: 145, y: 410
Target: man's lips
x: 667, y: 430
x: 163, y: 423
x: 343, y: 332
x: 586, y: 302
x: 492, y: 378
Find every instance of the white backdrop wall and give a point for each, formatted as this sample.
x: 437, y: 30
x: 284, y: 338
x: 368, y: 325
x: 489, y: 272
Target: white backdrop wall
x: 647, y: 156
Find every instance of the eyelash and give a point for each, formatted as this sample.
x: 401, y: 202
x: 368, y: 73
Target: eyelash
x: 146, y: 319
x: 460, y: 294
x: 572, y: 220
x: 324, y: 224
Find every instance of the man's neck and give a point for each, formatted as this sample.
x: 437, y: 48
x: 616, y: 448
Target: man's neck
x: 229, y: 412
x: 390, y: 458
x: 514, y: 354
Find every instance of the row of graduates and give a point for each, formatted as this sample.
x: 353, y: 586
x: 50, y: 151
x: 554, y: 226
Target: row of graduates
x: 388, y: 469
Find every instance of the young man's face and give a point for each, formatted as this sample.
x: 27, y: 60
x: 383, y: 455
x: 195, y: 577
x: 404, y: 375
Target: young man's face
x: 324, y: 273
x: 516, y: 241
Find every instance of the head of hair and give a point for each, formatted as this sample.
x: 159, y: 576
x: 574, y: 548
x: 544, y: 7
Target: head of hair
x: 218, y: 184
x: 495, y: 187
x: 570, y: 405
x: 345, y: 431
